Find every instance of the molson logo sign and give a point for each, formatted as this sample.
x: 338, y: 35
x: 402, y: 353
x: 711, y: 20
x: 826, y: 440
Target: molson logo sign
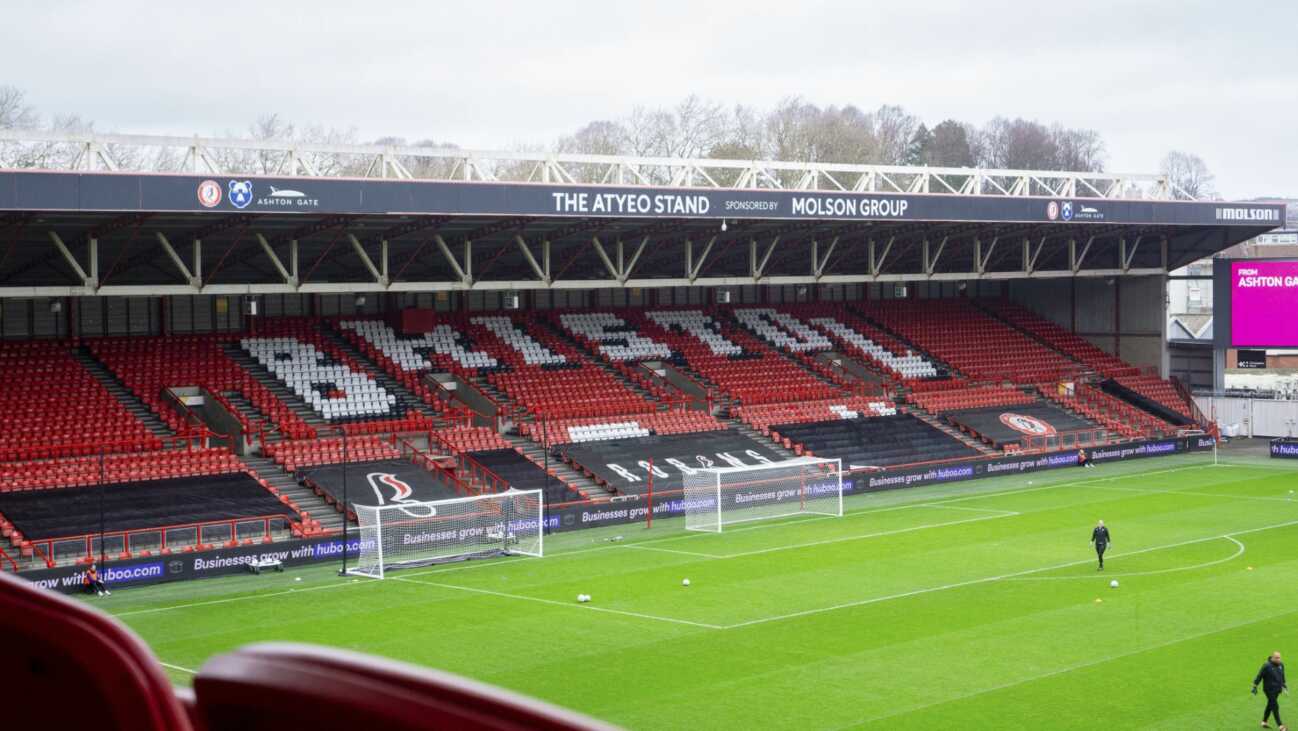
x: 1030, y: 425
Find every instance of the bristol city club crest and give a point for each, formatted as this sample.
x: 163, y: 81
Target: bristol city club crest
x: 209, y: 193
x: 383, y: 483
x: 240, y: 193
x: 1052, y: 210
x: 1030, y: 425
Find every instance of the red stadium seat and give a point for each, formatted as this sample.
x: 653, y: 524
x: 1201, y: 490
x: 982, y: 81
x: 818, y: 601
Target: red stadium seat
x: 273, y: 687
x: 58, y: 650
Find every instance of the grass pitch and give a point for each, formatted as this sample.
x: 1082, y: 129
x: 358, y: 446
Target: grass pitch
x: 976, y: 604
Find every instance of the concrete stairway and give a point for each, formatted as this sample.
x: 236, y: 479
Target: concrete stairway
x: 947, y: 429
x: 277, y: 387
x: 119, y: 391
x: 761, y: 438
x: 536, y: 453
x: 306, y: 499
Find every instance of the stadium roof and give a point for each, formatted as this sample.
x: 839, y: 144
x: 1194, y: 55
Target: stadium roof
x: 196, y: 220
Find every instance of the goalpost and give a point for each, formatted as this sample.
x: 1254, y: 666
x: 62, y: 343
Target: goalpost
x: 721, y: 496
x: 405, y: 534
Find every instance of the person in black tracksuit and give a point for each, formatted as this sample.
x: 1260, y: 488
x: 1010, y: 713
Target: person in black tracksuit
x: 1271, y: 676
x: 1100, y: 537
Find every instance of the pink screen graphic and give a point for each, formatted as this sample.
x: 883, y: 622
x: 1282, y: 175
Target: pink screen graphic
x: 1264, y: 303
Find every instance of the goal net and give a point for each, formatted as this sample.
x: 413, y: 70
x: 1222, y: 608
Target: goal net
x: 720, y: 496
x: 405, y: 534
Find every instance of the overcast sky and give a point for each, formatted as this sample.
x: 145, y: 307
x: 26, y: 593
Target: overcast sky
x: 1217, y: 79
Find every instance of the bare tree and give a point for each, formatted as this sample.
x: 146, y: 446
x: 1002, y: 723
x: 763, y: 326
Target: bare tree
x: 894, y: 127
x: 15, y: 112
x: 1189, y: 173
x: 1080, y: 150
x: 601, y: 137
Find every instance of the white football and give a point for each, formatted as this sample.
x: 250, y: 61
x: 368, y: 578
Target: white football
x: 583, y: 598
x: 1113, y: 584
x: 297, y: 578
x: 685, y: 582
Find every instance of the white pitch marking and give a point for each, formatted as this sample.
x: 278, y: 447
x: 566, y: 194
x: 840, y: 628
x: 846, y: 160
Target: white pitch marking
x: 569, y: 605
x: 988, y: 579
x: 695, y: 554
x: 863, y: 536
x: 177, y: 667
x: 1005, y: 513
x: 1193, y: 493
x: 228, y: 600
x: 1238, y: 552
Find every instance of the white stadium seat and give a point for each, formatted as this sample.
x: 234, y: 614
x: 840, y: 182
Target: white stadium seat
x: 613, y: 336
x: 303, y: 368
x: 402, y: 350
x: 699, y: 325
x: 909, y: 365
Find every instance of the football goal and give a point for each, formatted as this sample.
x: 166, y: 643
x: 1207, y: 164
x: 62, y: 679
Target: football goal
x: 405, y: 534
x: 720, y: 496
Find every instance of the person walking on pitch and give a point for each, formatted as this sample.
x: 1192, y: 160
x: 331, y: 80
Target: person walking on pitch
x: 1100, y: 537
x: 1271, y: 676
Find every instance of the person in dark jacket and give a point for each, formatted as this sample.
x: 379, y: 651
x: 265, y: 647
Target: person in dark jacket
x: 1100, y: 537
x: 1271, y: 676
x: 93, y: 584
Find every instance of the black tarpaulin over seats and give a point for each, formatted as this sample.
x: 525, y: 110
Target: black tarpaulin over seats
x: 523, y: 474
x: 623, y: 463
x: 875, y: 442
x: 380, y: 482
x: 1001, y: 425
x: 74, y: 511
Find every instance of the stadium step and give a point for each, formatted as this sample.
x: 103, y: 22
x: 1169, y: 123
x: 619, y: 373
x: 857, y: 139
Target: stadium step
x: 946, y: 428
x: 245, y: 407
x: 277, y: 387
x: 536, y: 453
x: 383, y: 378
x: 306, y: 499
x: 761, y: 439
x: 119, y: 391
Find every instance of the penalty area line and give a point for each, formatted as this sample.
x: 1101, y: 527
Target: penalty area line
x: 568, y: 605
x: 177, y: 668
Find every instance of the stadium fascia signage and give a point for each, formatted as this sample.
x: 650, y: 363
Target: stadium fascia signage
x: 222, y: 562
x: 128, y: 192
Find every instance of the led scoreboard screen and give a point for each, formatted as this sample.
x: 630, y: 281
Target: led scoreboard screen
x: 1264, y: 303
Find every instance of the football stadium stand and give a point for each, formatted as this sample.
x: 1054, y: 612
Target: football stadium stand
x: 603, y: 391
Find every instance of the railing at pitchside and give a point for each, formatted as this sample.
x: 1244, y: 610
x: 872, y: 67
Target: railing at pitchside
x: 157, y: 541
